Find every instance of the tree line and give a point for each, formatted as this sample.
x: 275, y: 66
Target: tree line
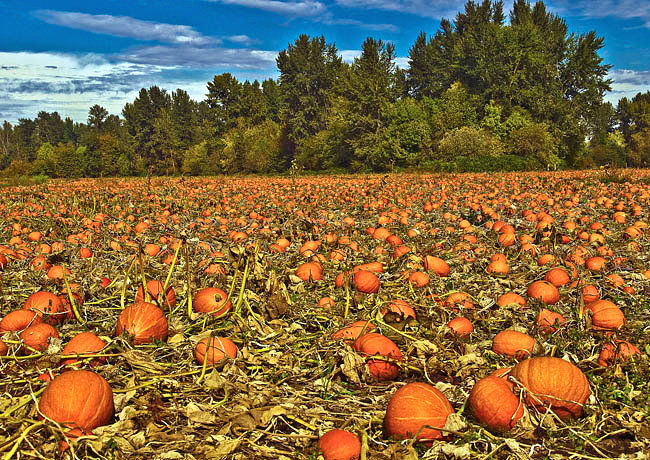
x: 481, y: 93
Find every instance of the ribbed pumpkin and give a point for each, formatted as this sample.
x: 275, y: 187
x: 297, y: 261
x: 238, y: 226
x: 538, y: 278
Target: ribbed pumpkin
x: 37, y: 336
x: 494, y: 404
x: 617, y: 351
x: 461, y: 326
x: 78, y: 399
x: 555, y: 382
x: 47, y: 305
x: 353, y: 331
x: 143, y: 322
x: 513, y: 344
x: 606, y: 315
x: 165, y: 301
x: 216, y: 349
x: 366, y: 281
x: 436, y: 265
x: 543, y: 291
x: 310, y: 271
x: 340, y: 445
x: 372, y: 344
x: 211, y: 300
x: 84, y: 343
x: 18, y: 320
x: 413, y: 406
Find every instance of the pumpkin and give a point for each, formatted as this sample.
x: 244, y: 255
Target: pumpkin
x: 353, y: 331
x: 4, y: 348
x: 310, y: 271
x: 18, y: 320
x: 412, y: 407
x: 419, y: 279
x: 211, y: 300
x: 548, y: 321
x: 366, y: 281
x: 553, y: 382
x: 84, y: 343
x: 47, y: 305
x: 216, y: 349
x: 557, y: 277
x: 143, y: 322
x: 165, y: 301
x: 544, y: 292
x: 372, y: 344
x: 37, y: 336
x: 590, y: 293
x: 400, y: 307
x: 619, y: 350
x: 340, y: 445
x: 605, y: 315
x: 498, y: 267
x: 595, y: 264
x: 511, y: 298
x: 461, y: 326
x: 494, y: 404
x: 78, y: 399
x: 513, y: 344
x: 436, y: 265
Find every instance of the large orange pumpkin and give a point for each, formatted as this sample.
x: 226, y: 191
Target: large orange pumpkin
x: 78, y: 399
x: 143, y: 322
x: 412, y: 407
x: 553, y: 382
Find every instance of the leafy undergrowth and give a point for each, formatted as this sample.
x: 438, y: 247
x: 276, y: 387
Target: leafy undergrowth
x: 291, y: 382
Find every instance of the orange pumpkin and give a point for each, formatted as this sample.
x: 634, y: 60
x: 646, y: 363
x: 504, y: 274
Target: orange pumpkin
x: 372, y: 344
x: 47, y: 305
x: 511, y: 298
x: 216, y: 349
x: 605, y: 315
x: 211, y: 300
x: 548, y: 321
x: 84, y: 343
x: 617, y: 351
x: 78, y: 399
x: 366, y: 281
x: 412, y: 407
x: 544, y: 292
x: 155, y: 288
x: 557, y: 277
x: 494, y: 404
x: 143, y: 322
x: 436, y: 265
x: 553, y: 382
x: 461, y: 326
x: 340, y: 445
x: 37, y: 336
x: 18, y: 320
x: 513, y: 344
x: 310, y: 271
x: 353, y: 331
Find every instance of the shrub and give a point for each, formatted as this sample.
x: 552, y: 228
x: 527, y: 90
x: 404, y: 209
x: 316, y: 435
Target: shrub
x: 469, y: 141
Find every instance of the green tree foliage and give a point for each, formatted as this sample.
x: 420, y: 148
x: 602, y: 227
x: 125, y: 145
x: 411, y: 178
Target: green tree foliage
x: 469, y: 142
x: 96, y: 116
x: 309, y: 70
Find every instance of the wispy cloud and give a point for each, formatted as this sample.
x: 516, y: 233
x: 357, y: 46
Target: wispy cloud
x: 424, y: 8
x: 125, y: 26
x: 290, y: 8
x: 627, y: 83
x: 624, y: 9
x: 199, y: 57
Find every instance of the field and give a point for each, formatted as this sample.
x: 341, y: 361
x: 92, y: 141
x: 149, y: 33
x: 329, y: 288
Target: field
x: 431, y: 242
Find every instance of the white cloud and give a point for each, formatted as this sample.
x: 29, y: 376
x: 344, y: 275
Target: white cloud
x: 624, y: 9
x: 627, y: 83
x: 291, y: 8
x: 425, y: 8
x: 125, y: 26
x: 70, y: 84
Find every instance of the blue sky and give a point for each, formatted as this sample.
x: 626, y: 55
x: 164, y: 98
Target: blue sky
x: 68, y: 55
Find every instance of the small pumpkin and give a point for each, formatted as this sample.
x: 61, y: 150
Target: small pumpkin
x: 143, y: 322
x: 548, y: 321
x: 513, y: 344
x: 544, y: 292
x: 353, y: 331
x: 37, y: 336
x: 216, y: 349
x: 19, y: 320
x: 211, y: 300
x: 84, y: 343
x: 47, y: 305
x: 310, y: 271
x: 618, y: 351
x: 412, y: 407
x: 437, y: 266
x: 557, y: 277
x: 373, y: 344
x: 400, y: 307
x: 461, y: 326
x: 165, y: 301
x: 605, y: 315
x: 340, y: 445
x: 511, y: 298
x: 366, y: 281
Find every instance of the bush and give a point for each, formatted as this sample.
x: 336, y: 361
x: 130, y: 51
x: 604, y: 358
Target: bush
x: 470, y: 142
x: 483, y: 163
x: 535, y: 140
x: 18, y: 168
